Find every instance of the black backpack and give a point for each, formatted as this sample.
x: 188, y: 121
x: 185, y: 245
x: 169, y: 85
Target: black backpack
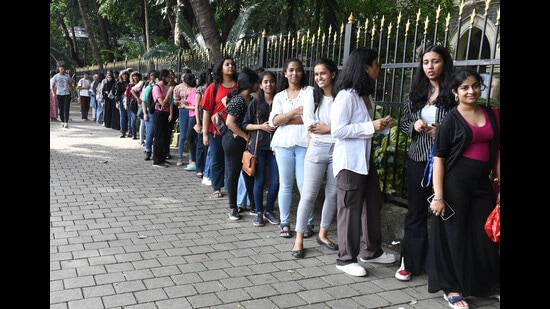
x: 151, y: 102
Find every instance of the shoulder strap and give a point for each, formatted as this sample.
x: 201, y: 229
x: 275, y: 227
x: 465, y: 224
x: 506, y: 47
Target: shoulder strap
x: 215, y: 92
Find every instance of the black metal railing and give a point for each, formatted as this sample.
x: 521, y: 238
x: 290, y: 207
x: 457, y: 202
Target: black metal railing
x: 472, y: 38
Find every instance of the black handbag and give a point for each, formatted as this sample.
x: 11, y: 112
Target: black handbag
x: 134, y: 105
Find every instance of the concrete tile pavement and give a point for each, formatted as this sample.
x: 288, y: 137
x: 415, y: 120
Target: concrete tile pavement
x: 124, y: 234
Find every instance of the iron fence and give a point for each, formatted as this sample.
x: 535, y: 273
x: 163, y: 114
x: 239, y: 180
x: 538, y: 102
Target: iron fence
x: 472, y: 38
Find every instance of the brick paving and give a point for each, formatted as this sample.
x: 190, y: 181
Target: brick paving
x: 124, y: 234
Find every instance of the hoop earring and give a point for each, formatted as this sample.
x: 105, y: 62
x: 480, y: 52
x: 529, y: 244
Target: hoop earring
x: 456, y: 98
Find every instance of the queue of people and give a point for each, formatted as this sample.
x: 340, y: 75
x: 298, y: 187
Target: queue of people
x: 305, y: 136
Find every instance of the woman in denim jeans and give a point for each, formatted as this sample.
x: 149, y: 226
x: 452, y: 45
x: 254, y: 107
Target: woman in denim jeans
x: 289, y: 141
x: 318, y: 160
x: 259, y: 128
x: 181, y: 95
x: 205, y: 78
x: 147, y: 114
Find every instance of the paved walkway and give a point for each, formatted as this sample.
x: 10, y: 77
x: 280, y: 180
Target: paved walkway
x: 124, y: 234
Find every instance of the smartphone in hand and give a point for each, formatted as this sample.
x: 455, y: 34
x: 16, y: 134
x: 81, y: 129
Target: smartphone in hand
x: 449, y: 212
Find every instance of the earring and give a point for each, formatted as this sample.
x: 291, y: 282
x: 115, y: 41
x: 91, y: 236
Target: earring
x: 456, y: 98
x: 367, y: 71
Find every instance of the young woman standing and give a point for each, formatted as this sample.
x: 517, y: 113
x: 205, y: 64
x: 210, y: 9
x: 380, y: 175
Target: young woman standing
x: 359, y: 199
x: 234, y: 141
x: 256, y: 121
x: 289, y: 140
x: 318, y: 159
x: 463, y: 261
x: 225, y: 81
x: 430, y: 99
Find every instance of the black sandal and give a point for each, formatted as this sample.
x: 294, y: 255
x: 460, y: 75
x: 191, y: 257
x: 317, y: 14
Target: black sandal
x: 285, y: 233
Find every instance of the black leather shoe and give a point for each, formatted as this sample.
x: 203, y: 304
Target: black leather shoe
x: 299, y: 254
x: 330, y: 245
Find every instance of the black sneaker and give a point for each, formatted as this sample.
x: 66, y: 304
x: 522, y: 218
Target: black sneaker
x: 271, y: 218
x: 147, y: 156
x: 252, y: 211
x: 259, y: 220
x: 234, y: 214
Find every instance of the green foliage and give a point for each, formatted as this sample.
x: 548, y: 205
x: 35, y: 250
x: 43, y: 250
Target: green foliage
x: 165, y: 51
x: 241, y: 25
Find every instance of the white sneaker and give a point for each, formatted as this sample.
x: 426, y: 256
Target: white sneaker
x: 353, y: 269
x: 62, y: 124
x: 385, y: 258
x: 66, y: 125
x: 206, y: 181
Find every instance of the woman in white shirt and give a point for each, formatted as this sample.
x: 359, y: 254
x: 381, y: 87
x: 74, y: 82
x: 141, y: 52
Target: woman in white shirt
x: 290, y: 139
x: 359, y: 199
x: 318, y: 159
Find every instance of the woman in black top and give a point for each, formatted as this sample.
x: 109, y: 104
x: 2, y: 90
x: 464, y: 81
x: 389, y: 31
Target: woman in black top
x: 109, y: 102
x: 256, y: 121
x: 463, y: 261
x: 430, y: 99
x: 235, y: 139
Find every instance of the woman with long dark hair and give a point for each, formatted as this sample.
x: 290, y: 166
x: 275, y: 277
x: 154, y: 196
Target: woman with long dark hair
x: 463, y: 261
x: 289, y: 140
x: 225, y: 81
x: 234, y: 141
x: 359, y: 198
x: 318, y: 159
x: 256, y: 121
x: 430, y: 99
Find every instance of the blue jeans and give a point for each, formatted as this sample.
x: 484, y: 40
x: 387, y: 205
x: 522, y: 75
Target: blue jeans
x: 131, y: 121
x: 93, y: 105
x: 184, y: 123
x: 317, y: 165
x: 99, y: 112
x: 149, y: 132
x: 266, y: 164
x: 207, y: 163
x: 290, y: 161
x: 242, y: 197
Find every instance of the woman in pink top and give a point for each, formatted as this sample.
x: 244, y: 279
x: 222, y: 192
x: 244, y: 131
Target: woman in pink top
x: 186, y: 109
x: 463, y: 261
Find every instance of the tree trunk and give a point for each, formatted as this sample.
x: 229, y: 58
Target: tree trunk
x: 89, y: 30
x: 147, y: 33
x: 207, y: 27
x: 177, y: 31
x: 106, y: 44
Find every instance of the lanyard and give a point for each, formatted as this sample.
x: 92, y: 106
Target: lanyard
x: 428, y: 169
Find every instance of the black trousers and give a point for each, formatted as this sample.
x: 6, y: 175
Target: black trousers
x: 161, y: 139
x: 233, y: 148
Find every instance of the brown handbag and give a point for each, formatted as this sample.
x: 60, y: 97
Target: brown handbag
x: 249, y: 159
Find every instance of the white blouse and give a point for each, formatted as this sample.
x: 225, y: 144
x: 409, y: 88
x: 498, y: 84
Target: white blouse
x: 292, y: 134
x: 351, y: 126
x: 322, y: 114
